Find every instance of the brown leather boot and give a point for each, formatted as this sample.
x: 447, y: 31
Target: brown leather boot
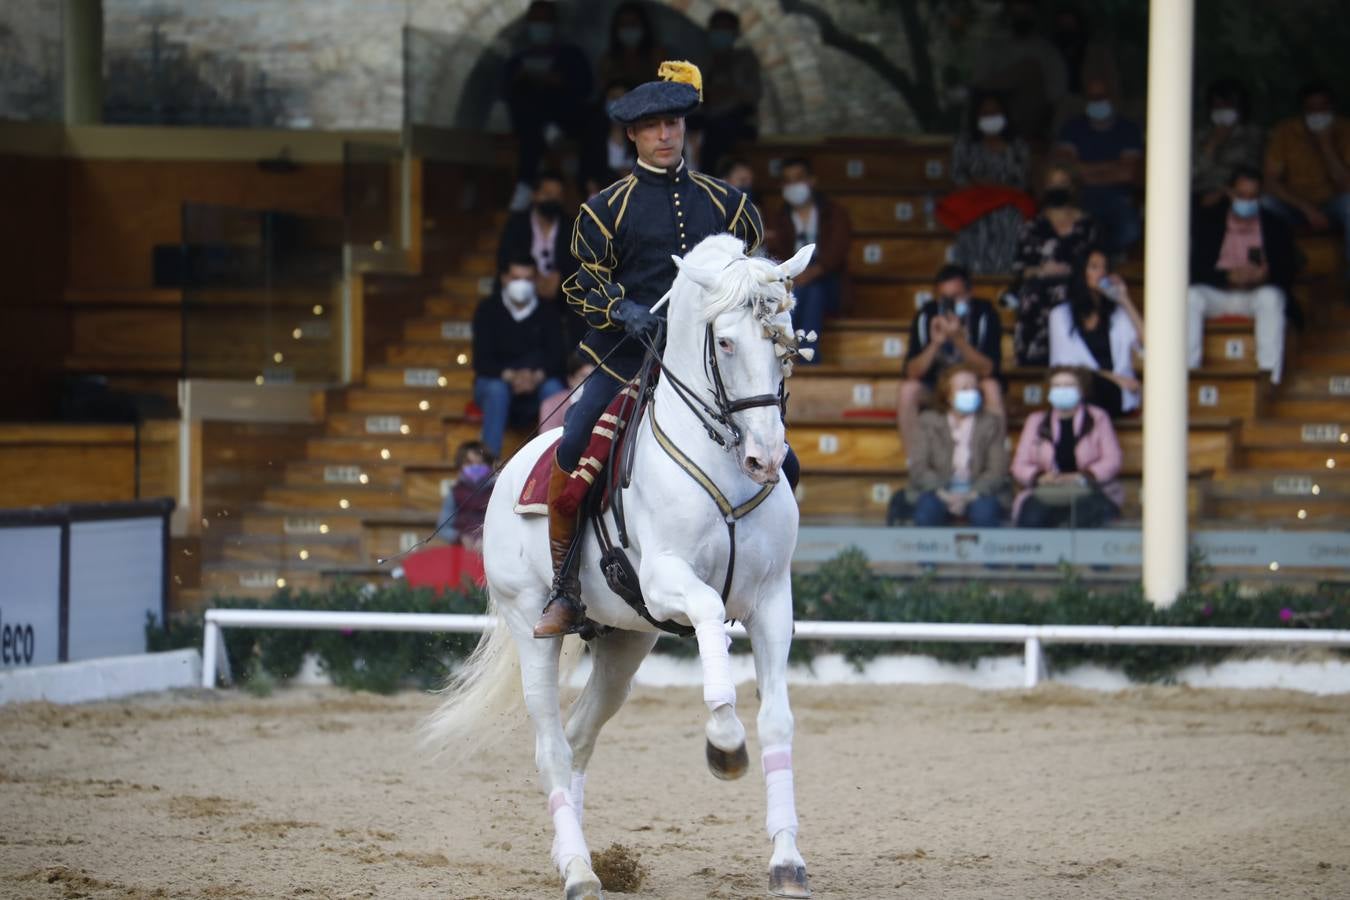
x: 564, y: 613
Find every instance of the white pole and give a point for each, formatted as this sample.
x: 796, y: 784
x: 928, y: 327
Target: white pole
x: 1033, y: 662
x: 210, y: 643
x: 1166, y: 244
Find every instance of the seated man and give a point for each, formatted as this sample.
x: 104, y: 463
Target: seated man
x: 1242, y: 263
x: 539, y: 233
x: 518, y: 353
x: 954, y: 328
x: 1308, y: 166
x: 809, y: 217
x: 1107, y: 150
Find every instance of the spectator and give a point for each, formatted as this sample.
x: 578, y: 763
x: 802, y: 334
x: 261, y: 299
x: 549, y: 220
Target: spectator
x: 1308, y: 166
x: 608, y: 154
x: 1081, y: 52
x: 1098, y: 331
x: 953, y: 329
x: 538, y: 233
x: 1242, y: 263
x: 552, y: 410
x: 990, y: 163
x: 1027, y: 67
x: 547, y: 86
x: 517, y: 352
x: 465, y: 505
x: 1067, y: 461
x: 1107, y: 151
x: 958, y: 464
x: 633, y: 56
x: 1224, y: 142
x: 738, y: 173
x: 809, y: 217
x: 1050, y: 248
x: 731, y: 90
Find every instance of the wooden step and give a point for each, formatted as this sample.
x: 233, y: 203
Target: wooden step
x: 323, y: 498
x: 291, y: 553
x: 1267, y: 512
x: 447, y: 306
x: 1229, y: 395
x: 264, y: 521
x: 383, y: 539
x: 838, y: 167
x: 372, y: 450
x: 451, y: 331
x: 467, y: 287
x: 1316, y: 385
x: 1309, y: 459
x: 1316, y: 483
x: 443, y: 376
x: 1310, y: 409
x: 439, y: 354
x: 402, y: 401
x: 224, y: 579
x: 425, y: 487
x: 1287, y: 433
x: 387, y: 475
x: 899, y: 256
x: 888, y: 213
x: 825, y: 498
x: 352, y: 424
x: 1324, y: 254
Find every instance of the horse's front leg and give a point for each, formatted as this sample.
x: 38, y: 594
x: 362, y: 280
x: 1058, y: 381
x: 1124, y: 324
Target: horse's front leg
x: 770, y: 631
x: 671, y: 587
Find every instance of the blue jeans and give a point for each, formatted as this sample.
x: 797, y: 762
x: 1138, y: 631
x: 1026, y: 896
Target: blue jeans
x: 814, y: 301
x: 1113, y: 208
x: 494, y: 398
x: 1337, y: 209
x: 983, y: 512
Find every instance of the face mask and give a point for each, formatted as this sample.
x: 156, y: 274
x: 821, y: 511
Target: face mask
x: 966, y: 400
x: 630, y: 37
x: 1057, y: 197
x: 549, y: 209
x: 1064, y: 397
x: 797, y: 194
x: 520, y: 291
x: 1246, y: 208
x: 475, y: 472
x: 540, y: 32
x: 721, y: 39
x: 1318, y: 121
x: 1099, y: 110
x: 961, y: 307
x: 991, y: 124
x: 1224, y: 118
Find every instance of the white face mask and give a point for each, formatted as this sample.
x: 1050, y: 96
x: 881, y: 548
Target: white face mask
x: 1318, y: 121
x: 991, y: 124
x: 520, y: 291
x: 1099, y: 110
x: 1224, y: 118
x: 797, y: 193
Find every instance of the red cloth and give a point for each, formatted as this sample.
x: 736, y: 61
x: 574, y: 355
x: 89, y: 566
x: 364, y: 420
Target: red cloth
x: 533, y: 497
x: 443, y: 568
x: 960, y: 208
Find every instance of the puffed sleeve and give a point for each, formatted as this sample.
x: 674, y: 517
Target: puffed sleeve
x: 591, y: 290
x: 743, y: 220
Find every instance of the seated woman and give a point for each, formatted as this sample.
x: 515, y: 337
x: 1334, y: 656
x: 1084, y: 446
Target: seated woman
x: 465, y: 505
x: 1049, y: 249
x: 958, y: 465
x: 1067, y: 461
x: 1099, y: 329
x: 990, y: 165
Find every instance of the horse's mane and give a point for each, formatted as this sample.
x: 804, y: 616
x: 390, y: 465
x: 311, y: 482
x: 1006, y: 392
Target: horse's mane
x: 744, y: 282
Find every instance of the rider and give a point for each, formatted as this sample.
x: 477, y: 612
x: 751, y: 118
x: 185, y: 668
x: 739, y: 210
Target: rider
x: 624, y: 238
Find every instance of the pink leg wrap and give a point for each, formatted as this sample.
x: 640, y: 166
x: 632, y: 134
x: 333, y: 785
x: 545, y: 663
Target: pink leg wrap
x: 782, y: 802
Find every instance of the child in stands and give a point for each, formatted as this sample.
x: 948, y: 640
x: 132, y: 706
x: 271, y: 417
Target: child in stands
x: 465, y: 504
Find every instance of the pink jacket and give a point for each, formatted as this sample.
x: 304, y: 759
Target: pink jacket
x: 1097, y: 452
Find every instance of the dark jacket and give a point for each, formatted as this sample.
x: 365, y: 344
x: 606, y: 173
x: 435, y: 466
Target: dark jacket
x: 984, y: 330
x: 624, y: 239
x: 1207, y: 240
x: 518, y: 240
x: 500, y: 342
x: 834, y: 238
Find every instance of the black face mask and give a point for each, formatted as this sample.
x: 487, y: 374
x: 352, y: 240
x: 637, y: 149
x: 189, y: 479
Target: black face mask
x: 1057, y: 197
x: 549, y: 209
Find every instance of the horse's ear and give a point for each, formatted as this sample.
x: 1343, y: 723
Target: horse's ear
x: 800, y: 260
x: 702, y: 277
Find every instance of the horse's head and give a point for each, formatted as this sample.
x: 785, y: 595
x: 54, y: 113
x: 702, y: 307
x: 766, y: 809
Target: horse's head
x: 743, y: 308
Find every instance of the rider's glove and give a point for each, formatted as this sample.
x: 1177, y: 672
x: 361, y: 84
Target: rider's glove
x: 635, y: 318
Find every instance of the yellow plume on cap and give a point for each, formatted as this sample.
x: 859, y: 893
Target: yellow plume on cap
x: 682, y: 72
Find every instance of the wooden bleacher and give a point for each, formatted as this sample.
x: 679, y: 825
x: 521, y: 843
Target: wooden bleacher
x: 368, y: 482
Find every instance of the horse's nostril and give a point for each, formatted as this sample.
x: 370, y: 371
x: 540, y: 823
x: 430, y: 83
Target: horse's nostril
x: 754, y: 463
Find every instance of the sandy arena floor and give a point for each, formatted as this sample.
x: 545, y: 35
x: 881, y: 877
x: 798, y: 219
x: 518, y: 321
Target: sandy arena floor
x: 903, y: 792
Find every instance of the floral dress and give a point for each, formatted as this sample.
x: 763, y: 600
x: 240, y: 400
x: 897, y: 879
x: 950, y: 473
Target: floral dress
x: 1040, y: 243
x: 987, y: 245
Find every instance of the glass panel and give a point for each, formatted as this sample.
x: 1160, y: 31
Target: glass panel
x: 375, y: 208
x: 31, y: 61
x: 261, y: 295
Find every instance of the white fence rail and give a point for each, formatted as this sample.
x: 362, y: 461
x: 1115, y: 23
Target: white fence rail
x: 1032, y: 637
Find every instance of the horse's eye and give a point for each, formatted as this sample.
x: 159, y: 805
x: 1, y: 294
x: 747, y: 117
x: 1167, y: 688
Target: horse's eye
x: 725, y: 345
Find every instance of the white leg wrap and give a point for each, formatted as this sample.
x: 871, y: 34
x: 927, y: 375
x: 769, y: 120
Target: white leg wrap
x: 713, y: 644
x: 578, y: 794
x: 567, y: 840
x: 782, y: 801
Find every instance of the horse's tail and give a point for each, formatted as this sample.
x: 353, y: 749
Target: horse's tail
x: 484, y: 699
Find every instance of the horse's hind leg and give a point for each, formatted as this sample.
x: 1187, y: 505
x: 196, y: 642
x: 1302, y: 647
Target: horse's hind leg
x: 615, y: 657
x: 553, y: 757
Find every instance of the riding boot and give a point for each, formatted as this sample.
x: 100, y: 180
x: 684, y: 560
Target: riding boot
x: 564, y: 613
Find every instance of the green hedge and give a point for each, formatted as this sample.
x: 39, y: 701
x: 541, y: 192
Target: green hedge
x: 842, y: 589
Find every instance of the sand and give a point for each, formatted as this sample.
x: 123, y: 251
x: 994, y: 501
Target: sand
x: 903, y: 792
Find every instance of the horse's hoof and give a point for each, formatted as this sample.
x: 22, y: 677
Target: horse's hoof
x: 728, y: 765
x: 788, y: 881
x: 585, y: 890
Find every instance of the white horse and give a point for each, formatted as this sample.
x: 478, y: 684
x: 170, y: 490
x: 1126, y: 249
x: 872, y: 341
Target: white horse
x: 731, y: 310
